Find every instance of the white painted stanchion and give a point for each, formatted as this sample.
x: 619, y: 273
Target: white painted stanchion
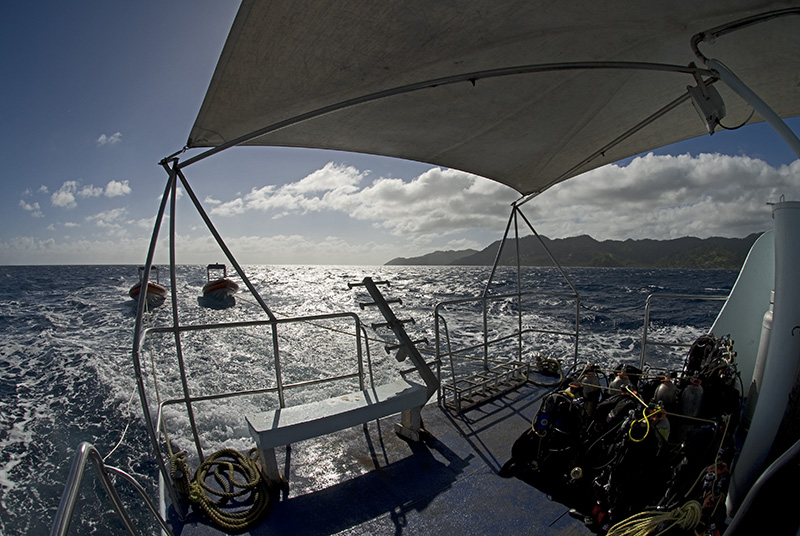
x: 783, y: 356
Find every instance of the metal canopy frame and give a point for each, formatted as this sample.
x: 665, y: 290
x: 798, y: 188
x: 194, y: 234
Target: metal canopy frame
x: 499, y: 376
x: 472, y: 78
x: 174, y: 168
x: 153, y: 421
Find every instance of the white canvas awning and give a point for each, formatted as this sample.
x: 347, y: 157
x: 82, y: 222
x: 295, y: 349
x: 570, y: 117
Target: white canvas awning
x: 334, y: 75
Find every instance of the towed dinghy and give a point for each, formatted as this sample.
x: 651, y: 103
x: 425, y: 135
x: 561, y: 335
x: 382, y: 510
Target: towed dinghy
x: 156, y: 293
x: 218, y: 293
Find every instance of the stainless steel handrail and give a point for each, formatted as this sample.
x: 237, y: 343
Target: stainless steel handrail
x: 646, y: 323
x: 279, y: 388
x: 440, y: 320
x: 271, y: 323
x: 66, y: 508
x: 484, y: 300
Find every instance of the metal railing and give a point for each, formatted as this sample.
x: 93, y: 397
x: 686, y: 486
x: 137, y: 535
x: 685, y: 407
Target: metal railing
x: 66, y: 508
x: 518, y: 333
x: 188, y: 399
x: 645, y: 326
x: 450, y: 354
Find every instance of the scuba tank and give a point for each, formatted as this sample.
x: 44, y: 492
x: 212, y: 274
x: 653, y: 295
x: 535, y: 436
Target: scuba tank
x: 761, y: 361
x: 692, y: 398
x: 591, y: 389
x: 627, y: 375
x: 666, y: 393
x: 620, y: 381
x: 560, y: 413
x: 549, y: 445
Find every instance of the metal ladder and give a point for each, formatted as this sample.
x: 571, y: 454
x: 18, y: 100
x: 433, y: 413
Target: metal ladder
x: 405, y: 347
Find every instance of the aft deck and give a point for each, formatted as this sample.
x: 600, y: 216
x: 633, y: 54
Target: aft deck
x: 368, y: 480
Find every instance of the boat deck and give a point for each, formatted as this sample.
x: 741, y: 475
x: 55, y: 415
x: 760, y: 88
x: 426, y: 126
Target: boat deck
x: 367, y: 480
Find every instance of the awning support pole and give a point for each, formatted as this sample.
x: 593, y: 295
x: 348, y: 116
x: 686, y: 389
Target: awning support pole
x: 763, y: 109
x: 137, y: 340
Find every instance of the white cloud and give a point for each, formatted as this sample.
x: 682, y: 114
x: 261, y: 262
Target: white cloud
x: 657, y: 197
x: 33, y: 208
x: 90, y: 191
x: 117, y: 188
x: 665, y: 197
x: 65, y: 196
x: 109, y: 140
x: 230, y: 208
x: 439, y: 200
x: 145, y: 223
x: 43, y: 189
x: 652, y: 197
x: 107, y: 216
x: 324, y: 189
x: 112, y: 189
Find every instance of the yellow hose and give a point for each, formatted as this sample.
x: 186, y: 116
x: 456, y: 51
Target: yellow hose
x: 685, y: 517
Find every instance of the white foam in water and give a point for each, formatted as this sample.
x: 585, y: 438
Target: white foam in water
x: 66, y: 372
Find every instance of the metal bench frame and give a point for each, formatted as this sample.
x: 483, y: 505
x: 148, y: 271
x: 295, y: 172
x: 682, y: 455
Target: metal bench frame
x: 288, y: 425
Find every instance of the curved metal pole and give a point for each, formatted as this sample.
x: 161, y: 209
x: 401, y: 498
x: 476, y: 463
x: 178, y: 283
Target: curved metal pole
x: 566, y: 278
x: 447, y: 80
x: 763, y: 109
x: 519, y: 286
x: 143, y: 494
x: 66, y: 508
x: 499, y: 252
x: 176, y: 324
x: 137, y: 341
x: 719, y: 31
x: 741, y: 518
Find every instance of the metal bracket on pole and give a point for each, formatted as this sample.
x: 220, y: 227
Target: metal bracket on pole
x: 763, y: 109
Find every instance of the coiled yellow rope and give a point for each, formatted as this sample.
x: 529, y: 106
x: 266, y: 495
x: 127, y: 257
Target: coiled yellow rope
x: 225, y: 465
x: 686, y: 517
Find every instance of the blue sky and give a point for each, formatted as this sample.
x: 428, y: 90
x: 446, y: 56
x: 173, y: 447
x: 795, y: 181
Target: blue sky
x: 96, y: 93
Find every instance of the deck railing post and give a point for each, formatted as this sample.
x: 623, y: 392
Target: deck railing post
x: 176, y: 321
x: 138, y: 339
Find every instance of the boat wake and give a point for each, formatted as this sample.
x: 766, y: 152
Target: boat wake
x: 67, y: 376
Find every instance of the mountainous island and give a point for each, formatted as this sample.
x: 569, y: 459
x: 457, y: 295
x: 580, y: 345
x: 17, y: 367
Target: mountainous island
x: 687, y: 252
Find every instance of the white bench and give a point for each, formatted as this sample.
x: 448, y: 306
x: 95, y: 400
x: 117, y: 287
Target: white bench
x: 284, y: 426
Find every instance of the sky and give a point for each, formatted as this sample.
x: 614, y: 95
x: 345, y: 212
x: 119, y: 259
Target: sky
x: 96, y: 93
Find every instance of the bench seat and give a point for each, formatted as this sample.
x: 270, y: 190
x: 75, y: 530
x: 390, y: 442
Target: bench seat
x: 288, y: 425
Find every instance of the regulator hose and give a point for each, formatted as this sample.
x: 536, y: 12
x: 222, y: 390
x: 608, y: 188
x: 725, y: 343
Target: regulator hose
x: 686, y: 517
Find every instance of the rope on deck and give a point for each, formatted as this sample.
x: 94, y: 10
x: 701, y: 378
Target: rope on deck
x: 226, y: 466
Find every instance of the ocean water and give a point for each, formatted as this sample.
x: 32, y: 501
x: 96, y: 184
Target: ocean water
x: 66, y: 374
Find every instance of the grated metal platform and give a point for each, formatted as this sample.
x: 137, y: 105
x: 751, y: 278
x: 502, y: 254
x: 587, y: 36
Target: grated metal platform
x: 471, y: 391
